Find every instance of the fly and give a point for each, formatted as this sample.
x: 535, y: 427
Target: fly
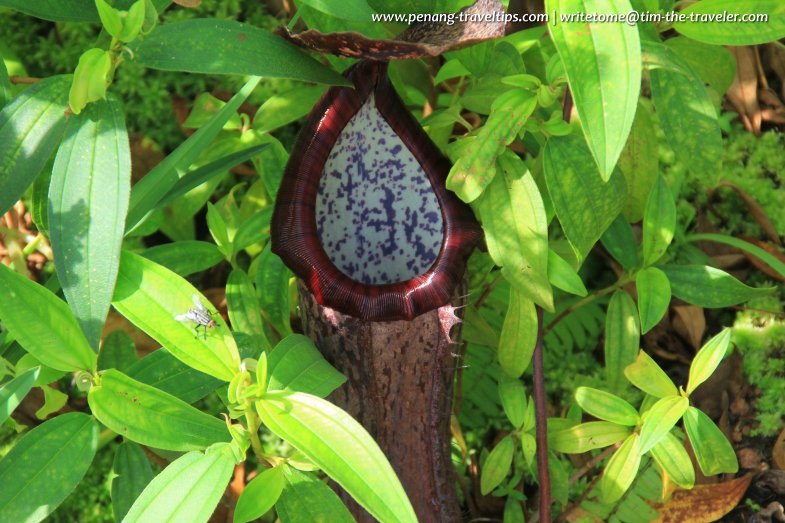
x: 199, y: 315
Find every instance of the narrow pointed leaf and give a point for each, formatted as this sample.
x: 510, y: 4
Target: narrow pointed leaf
x: 602, y: 62
x: 187, y: 490
x: 497, y: 465
x: 151, y: 417
x: 306, y: 499
x: 563, y: 276
x: 621, y: 470
x: 185, y: 257
x: 150, y: 296
x: 43, y: 324
x: 713, y: 451
x: 708, y: 358
x: 585, y: 205
x: 214, y: 46
x: 767, y: 258
x: 272, y: 289
x: 88, y: 199
x: 244, y: 311
x: 13, y: 392
x: 707, y: 21
x: 606, y: 406
x: 685, y: 110
x: 163, y: 371
x: 296, y: 364
x: 660, y: 419
x: 259, y: 495
x: 476, y: 168
x: 587, y: 436
x: 654, y: 296
x: 132, y: 473
x: 622, y: 336
x: 619, y: 241
x: 342, y: 448
x: 674, y: 460
x: 513, y: 396
x: 659, y: 221
x: 159, y: 181
x: 518, y: 336
x: 516, y: 229
x: 30, y: 129
x: 45, y: 466
x: 709, y: 287
x: 645, y: 374
x: 117, y: 351
x: 639, y: 162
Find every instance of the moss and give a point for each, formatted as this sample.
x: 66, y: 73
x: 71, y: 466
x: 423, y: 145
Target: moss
x: 760, y: 338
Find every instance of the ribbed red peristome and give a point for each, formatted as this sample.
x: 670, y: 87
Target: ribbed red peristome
x: 294, y: 233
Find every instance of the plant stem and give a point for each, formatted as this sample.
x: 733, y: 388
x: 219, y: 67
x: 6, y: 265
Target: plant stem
x: 624, y: 280
x: 16, y: 80
x: 542, y: 425
x: 253, y: 429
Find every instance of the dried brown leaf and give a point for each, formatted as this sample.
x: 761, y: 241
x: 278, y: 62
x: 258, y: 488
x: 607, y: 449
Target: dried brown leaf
x: 778, y: 451
x: 743, y: 92
x: 755, y: 209
x: 690, y: 322
x: 420, y: 40
x: 703, y: 503
x: 188, y: 3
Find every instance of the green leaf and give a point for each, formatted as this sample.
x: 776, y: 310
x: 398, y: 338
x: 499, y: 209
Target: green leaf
x: 341, y: 447
x: 255, y: 229
x: 513, y: 512
x: 259, y: 495
x: 519, y: 334
x: 187, y: 490
x: 244, y: 311
x: 30, y: 128
x: 715, y: 64
x: 602, y: 62
x: 204, y: 109
x: 705, y: 22
x: 6, y: 90
x: 645, y: 374
x: 165, y: 372
x: 659, y: 221
x: 131, y: 473
x: 654, y: 296
x: 43, y: 324
x: 56, y: 10
x: 45, y: 466
x: 110, y: 18
x: 272, y: 289
x: 289, y: 106
x: 516, y: 229
x: 476, y: 168
x: 117, y: 351
x: 159, y: 181
x: 685, y: 111
x: 13, y: 392
x: 585, y: 205
x: 709, y: 287
x: 296, y: 364
x: 88, y: 199
x: 712, y: 449
x: 673, y: 458
x: 185, y: 257
x: 621, y: 470
x: 152, y: 417
x: 133, y: 22
x: 54, y: 400
x: 639, y: 162
x: 213, y: 46
x: 622, y: 336
x: 513, y: 397
x: 219, y: 230
x: 606, y: 406
x: 356, y: 10
x: 586, y: 436
x: 767, y: 258
x: 708, y: 358
x: 619, y: 241
x: 91, y: 78
x: 563, y: 276
x: 306, y: 499
x: 660, y: 419
x: 497, y: 465
x: 150, y: 296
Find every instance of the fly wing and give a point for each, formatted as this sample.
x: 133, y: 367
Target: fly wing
x: 188, y: 316
x: 198, y: 303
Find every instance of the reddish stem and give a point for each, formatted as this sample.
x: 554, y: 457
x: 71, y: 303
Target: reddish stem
x: 541, y: 415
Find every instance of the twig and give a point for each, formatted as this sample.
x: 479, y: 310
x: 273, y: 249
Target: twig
x: 24, y: 80
x: 542, y: 425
